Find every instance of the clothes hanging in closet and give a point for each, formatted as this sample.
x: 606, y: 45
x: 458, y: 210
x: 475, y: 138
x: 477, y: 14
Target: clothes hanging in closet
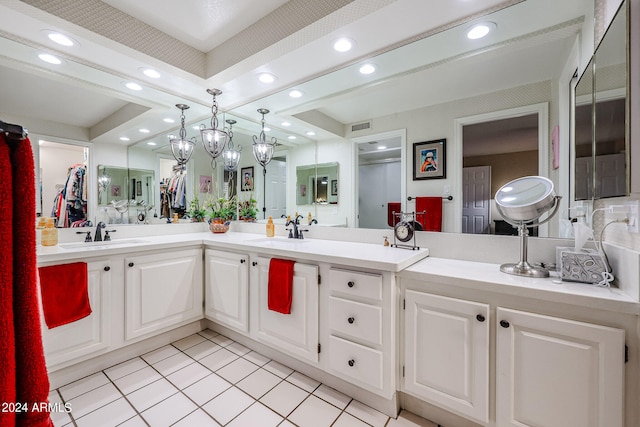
x: 70, y: 204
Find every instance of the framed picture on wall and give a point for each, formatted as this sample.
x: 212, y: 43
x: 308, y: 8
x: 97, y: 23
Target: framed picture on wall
x: 334, y: 187
x: 138, y: 188
x: 115, y: 191
x: 429, y: 159
x: 246, y: 175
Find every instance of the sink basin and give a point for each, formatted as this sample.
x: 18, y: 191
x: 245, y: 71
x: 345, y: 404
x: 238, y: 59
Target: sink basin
x: 279, y: 242
x: 101, y: 245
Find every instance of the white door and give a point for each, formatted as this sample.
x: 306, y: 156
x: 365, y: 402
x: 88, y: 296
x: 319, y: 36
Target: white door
x: 162, y: 291
x: 554, y: 372
x: 611, y: 175
x: 227, y: 288
x: 90, y: 334
x: 476, y: 199
x: 378, y: 184
x: 584, y: 178
x: 276, y: 195
x: 296, y: 333
x: 447, y: 353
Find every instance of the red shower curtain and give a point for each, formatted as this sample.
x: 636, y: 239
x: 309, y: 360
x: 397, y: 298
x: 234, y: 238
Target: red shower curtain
x: 24, y: 383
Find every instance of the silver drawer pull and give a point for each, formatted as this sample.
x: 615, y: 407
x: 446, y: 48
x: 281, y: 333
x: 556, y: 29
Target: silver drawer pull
x: 351, y: 362
x: 351, y: 320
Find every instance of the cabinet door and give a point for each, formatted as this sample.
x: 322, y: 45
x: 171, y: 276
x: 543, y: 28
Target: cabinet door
x: 554, y: 372
x: 162, y: 290
x: 226, y: 289
x: 296, y: 333
x: 447, y: 353
x: 88, y: 335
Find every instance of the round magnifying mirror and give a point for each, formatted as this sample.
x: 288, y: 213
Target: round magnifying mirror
x: 521, y: 203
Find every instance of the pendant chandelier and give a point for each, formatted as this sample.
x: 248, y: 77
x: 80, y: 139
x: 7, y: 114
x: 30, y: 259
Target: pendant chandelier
x: 182, y: 148
x: 213, y: 139
x: 263, y: 149
x: 231, y: 156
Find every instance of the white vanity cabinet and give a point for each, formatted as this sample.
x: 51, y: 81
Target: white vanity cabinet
x: 226, y: 290
x: 162, y: 290
x: 90, y: 335
x: 294, y: 334
x: 554, y: 372
x: 446, y: 348
x: 360, y: 347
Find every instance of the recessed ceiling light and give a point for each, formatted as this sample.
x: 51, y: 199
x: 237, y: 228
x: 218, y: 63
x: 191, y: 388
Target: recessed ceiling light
x: 151, y: 143
x: 291, y: 137
x: 124, y: 138
x: 480, y: 30
x: 266, y: 129
x: 61, y: 39
x: 133, y: 86
x: 285, y: 124
x: 311, y: 133
x: 168, y: 120
x: 171, y: 136
x: 381, y: 147
x: 266, y: 78
x: 50, y: 59
x: 367, y: 69
x: 343, y: 45
x: 295, y: 93
x: 143, y: 130
x: 196, y: 127
x: 150, y: 72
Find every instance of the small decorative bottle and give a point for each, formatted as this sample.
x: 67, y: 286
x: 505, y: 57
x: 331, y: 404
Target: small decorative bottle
x: 270, y: 227
x: 49, y: 233
x: 309, y: 218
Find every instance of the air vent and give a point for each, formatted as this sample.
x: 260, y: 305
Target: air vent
x: 360, y: 126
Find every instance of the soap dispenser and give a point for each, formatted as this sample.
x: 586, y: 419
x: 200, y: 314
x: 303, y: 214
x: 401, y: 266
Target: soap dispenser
x: 49, y: 233
x: 309, y: 218
x: 270, y: 227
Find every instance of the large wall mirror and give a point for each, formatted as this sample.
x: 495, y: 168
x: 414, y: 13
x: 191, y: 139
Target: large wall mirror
x: 125, y: 195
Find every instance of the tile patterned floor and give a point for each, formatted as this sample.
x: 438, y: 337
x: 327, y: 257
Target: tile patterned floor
x: 207, y: 379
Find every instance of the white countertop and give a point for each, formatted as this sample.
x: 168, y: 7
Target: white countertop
x: 365, y: 255
x: 488, y: 277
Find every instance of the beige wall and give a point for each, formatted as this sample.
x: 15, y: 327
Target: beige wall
x: 506, y: 167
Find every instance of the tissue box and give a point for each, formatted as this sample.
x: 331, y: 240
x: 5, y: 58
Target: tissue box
x: 584, y: 265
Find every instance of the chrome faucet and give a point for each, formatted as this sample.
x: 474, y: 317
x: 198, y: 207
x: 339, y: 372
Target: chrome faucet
x: 99, y: 227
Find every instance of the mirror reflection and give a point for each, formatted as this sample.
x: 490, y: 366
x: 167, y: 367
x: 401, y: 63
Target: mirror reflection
x: 317, y: 184
x: 125, y: 195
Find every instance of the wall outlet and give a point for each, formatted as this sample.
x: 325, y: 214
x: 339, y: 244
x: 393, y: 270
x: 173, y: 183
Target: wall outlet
x: 634, y: 207
x: 447, y: 190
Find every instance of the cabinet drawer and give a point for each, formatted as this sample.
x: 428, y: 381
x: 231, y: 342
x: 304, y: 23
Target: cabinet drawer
x: 356, y: 283
x: 356, y: 319
x: 356, y: 361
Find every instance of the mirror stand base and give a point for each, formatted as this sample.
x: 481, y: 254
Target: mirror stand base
x: 523, y: 268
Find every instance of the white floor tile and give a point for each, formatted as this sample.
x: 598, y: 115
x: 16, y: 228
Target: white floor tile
x: 228, y: 405
x: 197, y: 418
x: 59, y: 417
x: 409, y: 419
x: 201, y: 350
x: 169, y: 411
x: 208, y: 333
x: 187, y: 342
x: 206, y: 389
x: 218, y: 359
x: 137, y: 379
x: 367, y: 414
x: 83, y: 385
x: 314, y: 412
x: 347, y: 420
x: 188, y: 375
x: 256, y: 415
x: 258, y: 383
x: 278, y: 369
x: 284, y: 398
x: 134, y: 422
x: 94, y: 399
x: 238, y: 348
x: 151, y: 394
x: 256, y: 358
x: 109, y: 415
x: 237, y: 370
x: 159, y: 354
x: 287, y: 423
x: 303, y: 381
x: 173, y: 363
x: 221, y: 340
x: 332, y: 396
x: 125, y: 368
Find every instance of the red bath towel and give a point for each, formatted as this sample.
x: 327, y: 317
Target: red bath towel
x: 280, y: 292
x: 65, y: 297
x: 432, y: 220
x: 391, y: 208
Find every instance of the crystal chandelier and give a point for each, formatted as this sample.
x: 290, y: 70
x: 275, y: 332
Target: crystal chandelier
x: 214, y: 139
x: 263, y: 149
x: 231, y: 156
x: 182, y: 148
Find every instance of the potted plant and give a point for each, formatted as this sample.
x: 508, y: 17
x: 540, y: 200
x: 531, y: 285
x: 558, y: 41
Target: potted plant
x: 248, y: 210
x: 196, y: 212
x: 222, y: 210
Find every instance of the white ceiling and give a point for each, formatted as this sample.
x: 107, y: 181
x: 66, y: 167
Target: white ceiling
x: 203, y: 44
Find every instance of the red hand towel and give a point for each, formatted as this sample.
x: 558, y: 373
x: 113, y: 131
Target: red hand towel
x: 392, y: 219
x: 65, y: 297
x: 280, y: 292
x: 432, y: 220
